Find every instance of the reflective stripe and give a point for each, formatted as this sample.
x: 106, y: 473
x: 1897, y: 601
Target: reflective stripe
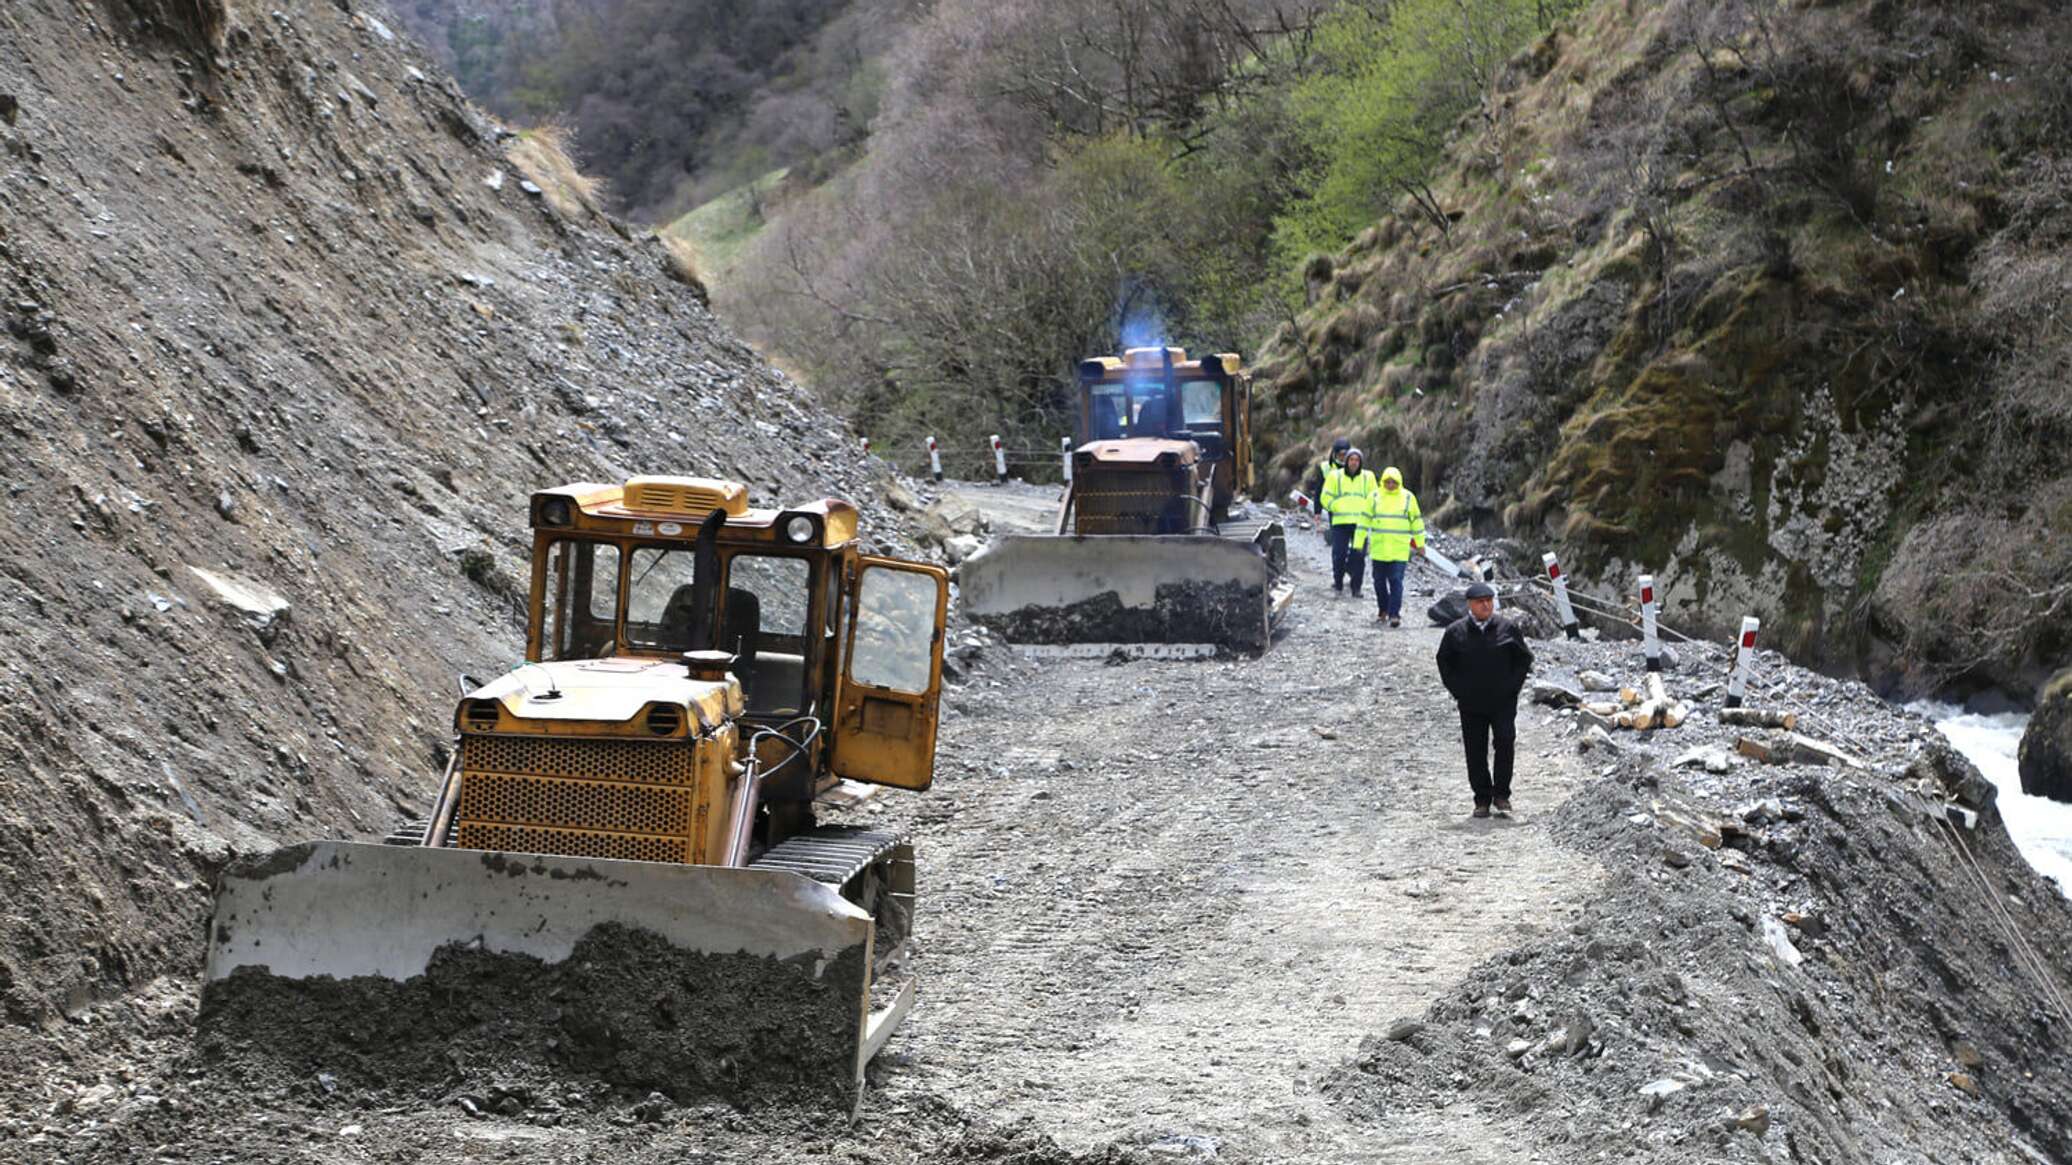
x: 1391, y: 531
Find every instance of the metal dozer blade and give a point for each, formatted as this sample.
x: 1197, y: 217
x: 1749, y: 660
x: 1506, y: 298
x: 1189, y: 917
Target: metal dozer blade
x: 1129, y: 588
x: 744, y: 983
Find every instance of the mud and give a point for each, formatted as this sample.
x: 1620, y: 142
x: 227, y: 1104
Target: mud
x: 1229, y: 614
x: 626, y: 1010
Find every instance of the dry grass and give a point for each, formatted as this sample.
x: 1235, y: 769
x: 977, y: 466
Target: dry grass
x: 680, y: 262
x: 544, y: 157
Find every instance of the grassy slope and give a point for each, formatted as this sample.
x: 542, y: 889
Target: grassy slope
x: 719, y: 229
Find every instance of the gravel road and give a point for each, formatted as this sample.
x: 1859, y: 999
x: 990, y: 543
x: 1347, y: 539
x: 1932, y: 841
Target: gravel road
x: 1162, y: 897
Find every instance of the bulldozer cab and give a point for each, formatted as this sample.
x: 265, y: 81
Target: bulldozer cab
x: 816, y: 629
x: 1159, y: 393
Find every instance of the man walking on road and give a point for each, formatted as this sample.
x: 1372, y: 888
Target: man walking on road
x: 1483, y: 661
x: 1395, y: 531
x: 1346, y: 499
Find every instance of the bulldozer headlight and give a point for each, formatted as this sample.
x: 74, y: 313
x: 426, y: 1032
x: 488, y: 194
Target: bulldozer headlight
x: 554, y: 512
x: 801, y: 529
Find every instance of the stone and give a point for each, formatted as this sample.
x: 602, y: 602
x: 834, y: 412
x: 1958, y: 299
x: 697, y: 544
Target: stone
x: 1754, y: 1119
x: 1597, y: 681
x: 10, y: 108
x: 225, y: 504
x: 1712, y: 760
x: 1552, y: 694
x: 1966, y: 1053
x: 900, y: 498
x: 960, y: 547
x: 2045, y: 755
x: 495, y: 181
x: 1734, y: 860
x: 261, y: 605
x: 1449, y: 610
x: 530, y: 188
x: 1516, y: 1049
x: 1404, y: 1028
x: 1675, y: 859
x: 1963, y: 1082
x: 1596, y: 738
x: 1940, y: 766
x: 1779, y: 940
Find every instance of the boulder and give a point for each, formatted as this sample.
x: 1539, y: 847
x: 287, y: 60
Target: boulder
x: 2046, y: 752
x: 1943, y: 767
x: 1449, y: 609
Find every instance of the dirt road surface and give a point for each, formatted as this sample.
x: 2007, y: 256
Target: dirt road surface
x: 1162, y: 897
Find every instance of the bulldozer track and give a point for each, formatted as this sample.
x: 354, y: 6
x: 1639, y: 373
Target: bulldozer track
x: 831, y: 853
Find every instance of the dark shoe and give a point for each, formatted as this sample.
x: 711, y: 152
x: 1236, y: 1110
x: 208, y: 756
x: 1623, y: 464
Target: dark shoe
x: 1356, y: 592
x: 1503, y: 806
x: 1337, y: 589
x: 1481, y: 810
x: 1395, y: 622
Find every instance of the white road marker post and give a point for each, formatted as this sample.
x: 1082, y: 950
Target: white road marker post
x: 1000, y: 459
x: 1562, y: 607
x: 1649, y: 643
x: 1065, y: 446
x: 866, y: 446
x: 934, y: 459
x: 1744, y: 651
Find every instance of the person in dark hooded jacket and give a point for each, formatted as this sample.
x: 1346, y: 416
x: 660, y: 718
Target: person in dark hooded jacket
x: 1483, y: 661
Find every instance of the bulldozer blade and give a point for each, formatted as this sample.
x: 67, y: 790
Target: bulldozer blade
x: 1124, y: 588
x: 742, y: 983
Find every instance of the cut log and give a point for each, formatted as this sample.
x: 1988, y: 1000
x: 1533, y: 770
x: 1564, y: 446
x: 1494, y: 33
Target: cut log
x: 1759, y: 718
x: 1755, y: 749
x: 1675, y: 714
x: 1606, y: 709
x: 1629, y: 696
x: 1655, y: 690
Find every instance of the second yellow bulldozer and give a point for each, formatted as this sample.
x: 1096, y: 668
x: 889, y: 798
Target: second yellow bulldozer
x: 696, y: 673
x: 1150, y: 546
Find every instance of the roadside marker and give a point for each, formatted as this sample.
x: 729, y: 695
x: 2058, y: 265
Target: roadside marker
x: 1065, y: 444
x: 1652, y: 645
x: 934, y: 459
x: 1000, y: 458
x: 1744, y: 651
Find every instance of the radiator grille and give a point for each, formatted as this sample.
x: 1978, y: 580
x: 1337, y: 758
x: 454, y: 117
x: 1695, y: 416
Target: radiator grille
x: 573, y: 843
x: 492, y: 797
x: 642, y: 761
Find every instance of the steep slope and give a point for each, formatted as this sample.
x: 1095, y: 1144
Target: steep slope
x: 1766, y: 298
x: 278, y: 309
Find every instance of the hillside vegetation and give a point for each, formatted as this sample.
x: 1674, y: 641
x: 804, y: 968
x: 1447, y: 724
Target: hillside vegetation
x: 1768, y: 298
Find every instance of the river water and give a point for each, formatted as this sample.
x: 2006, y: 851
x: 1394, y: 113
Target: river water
x: 2041, y: 827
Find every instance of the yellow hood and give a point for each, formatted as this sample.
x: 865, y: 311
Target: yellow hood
x: 1391, y: 478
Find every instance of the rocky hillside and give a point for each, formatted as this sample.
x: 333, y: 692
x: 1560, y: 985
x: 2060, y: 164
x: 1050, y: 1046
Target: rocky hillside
x: 1768, y: 298
x: 289, y: 336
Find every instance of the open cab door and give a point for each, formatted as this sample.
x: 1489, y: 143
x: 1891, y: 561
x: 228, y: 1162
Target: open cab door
x: 891, y: 686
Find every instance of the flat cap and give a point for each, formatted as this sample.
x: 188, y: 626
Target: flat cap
x: 1481, y: 591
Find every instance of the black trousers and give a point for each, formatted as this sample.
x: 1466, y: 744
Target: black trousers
x: 1344, y: 559
x: 1476, y: 728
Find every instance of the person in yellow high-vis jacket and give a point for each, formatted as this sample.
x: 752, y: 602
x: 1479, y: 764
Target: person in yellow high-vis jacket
x: 1394, y: 530
x: 1347, y: 499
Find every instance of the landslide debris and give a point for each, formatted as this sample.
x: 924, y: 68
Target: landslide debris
x: 286, y: 339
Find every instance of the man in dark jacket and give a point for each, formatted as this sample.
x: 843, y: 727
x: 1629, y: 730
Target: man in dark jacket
x: 1483, y: 660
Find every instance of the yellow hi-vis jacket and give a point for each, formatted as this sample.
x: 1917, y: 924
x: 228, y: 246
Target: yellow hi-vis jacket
x: 1394, y: 523
x: 1345, y: 499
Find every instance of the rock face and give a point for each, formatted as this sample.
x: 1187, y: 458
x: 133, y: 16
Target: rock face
x: 272, y: 342
x: 2046, y: 752
x: 1648, y: 379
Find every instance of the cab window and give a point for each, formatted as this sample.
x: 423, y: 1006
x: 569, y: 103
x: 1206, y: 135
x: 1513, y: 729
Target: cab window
x: 1108, y: 408
x: 895, y: 631
x: 582, y: 600
x: 1201, y: 404
x: 660, y: 598
x: 765, y: 627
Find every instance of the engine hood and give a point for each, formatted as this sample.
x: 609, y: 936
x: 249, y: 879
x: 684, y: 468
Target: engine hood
x: 612, y: 690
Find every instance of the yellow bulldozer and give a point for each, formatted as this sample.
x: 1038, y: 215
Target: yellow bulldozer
x: 696, y: 674
x: 1149, y: 546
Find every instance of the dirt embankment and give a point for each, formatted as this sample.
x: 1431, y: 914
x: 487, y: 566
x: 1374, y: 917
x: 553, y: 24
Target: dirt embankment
x: 287, y: 341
